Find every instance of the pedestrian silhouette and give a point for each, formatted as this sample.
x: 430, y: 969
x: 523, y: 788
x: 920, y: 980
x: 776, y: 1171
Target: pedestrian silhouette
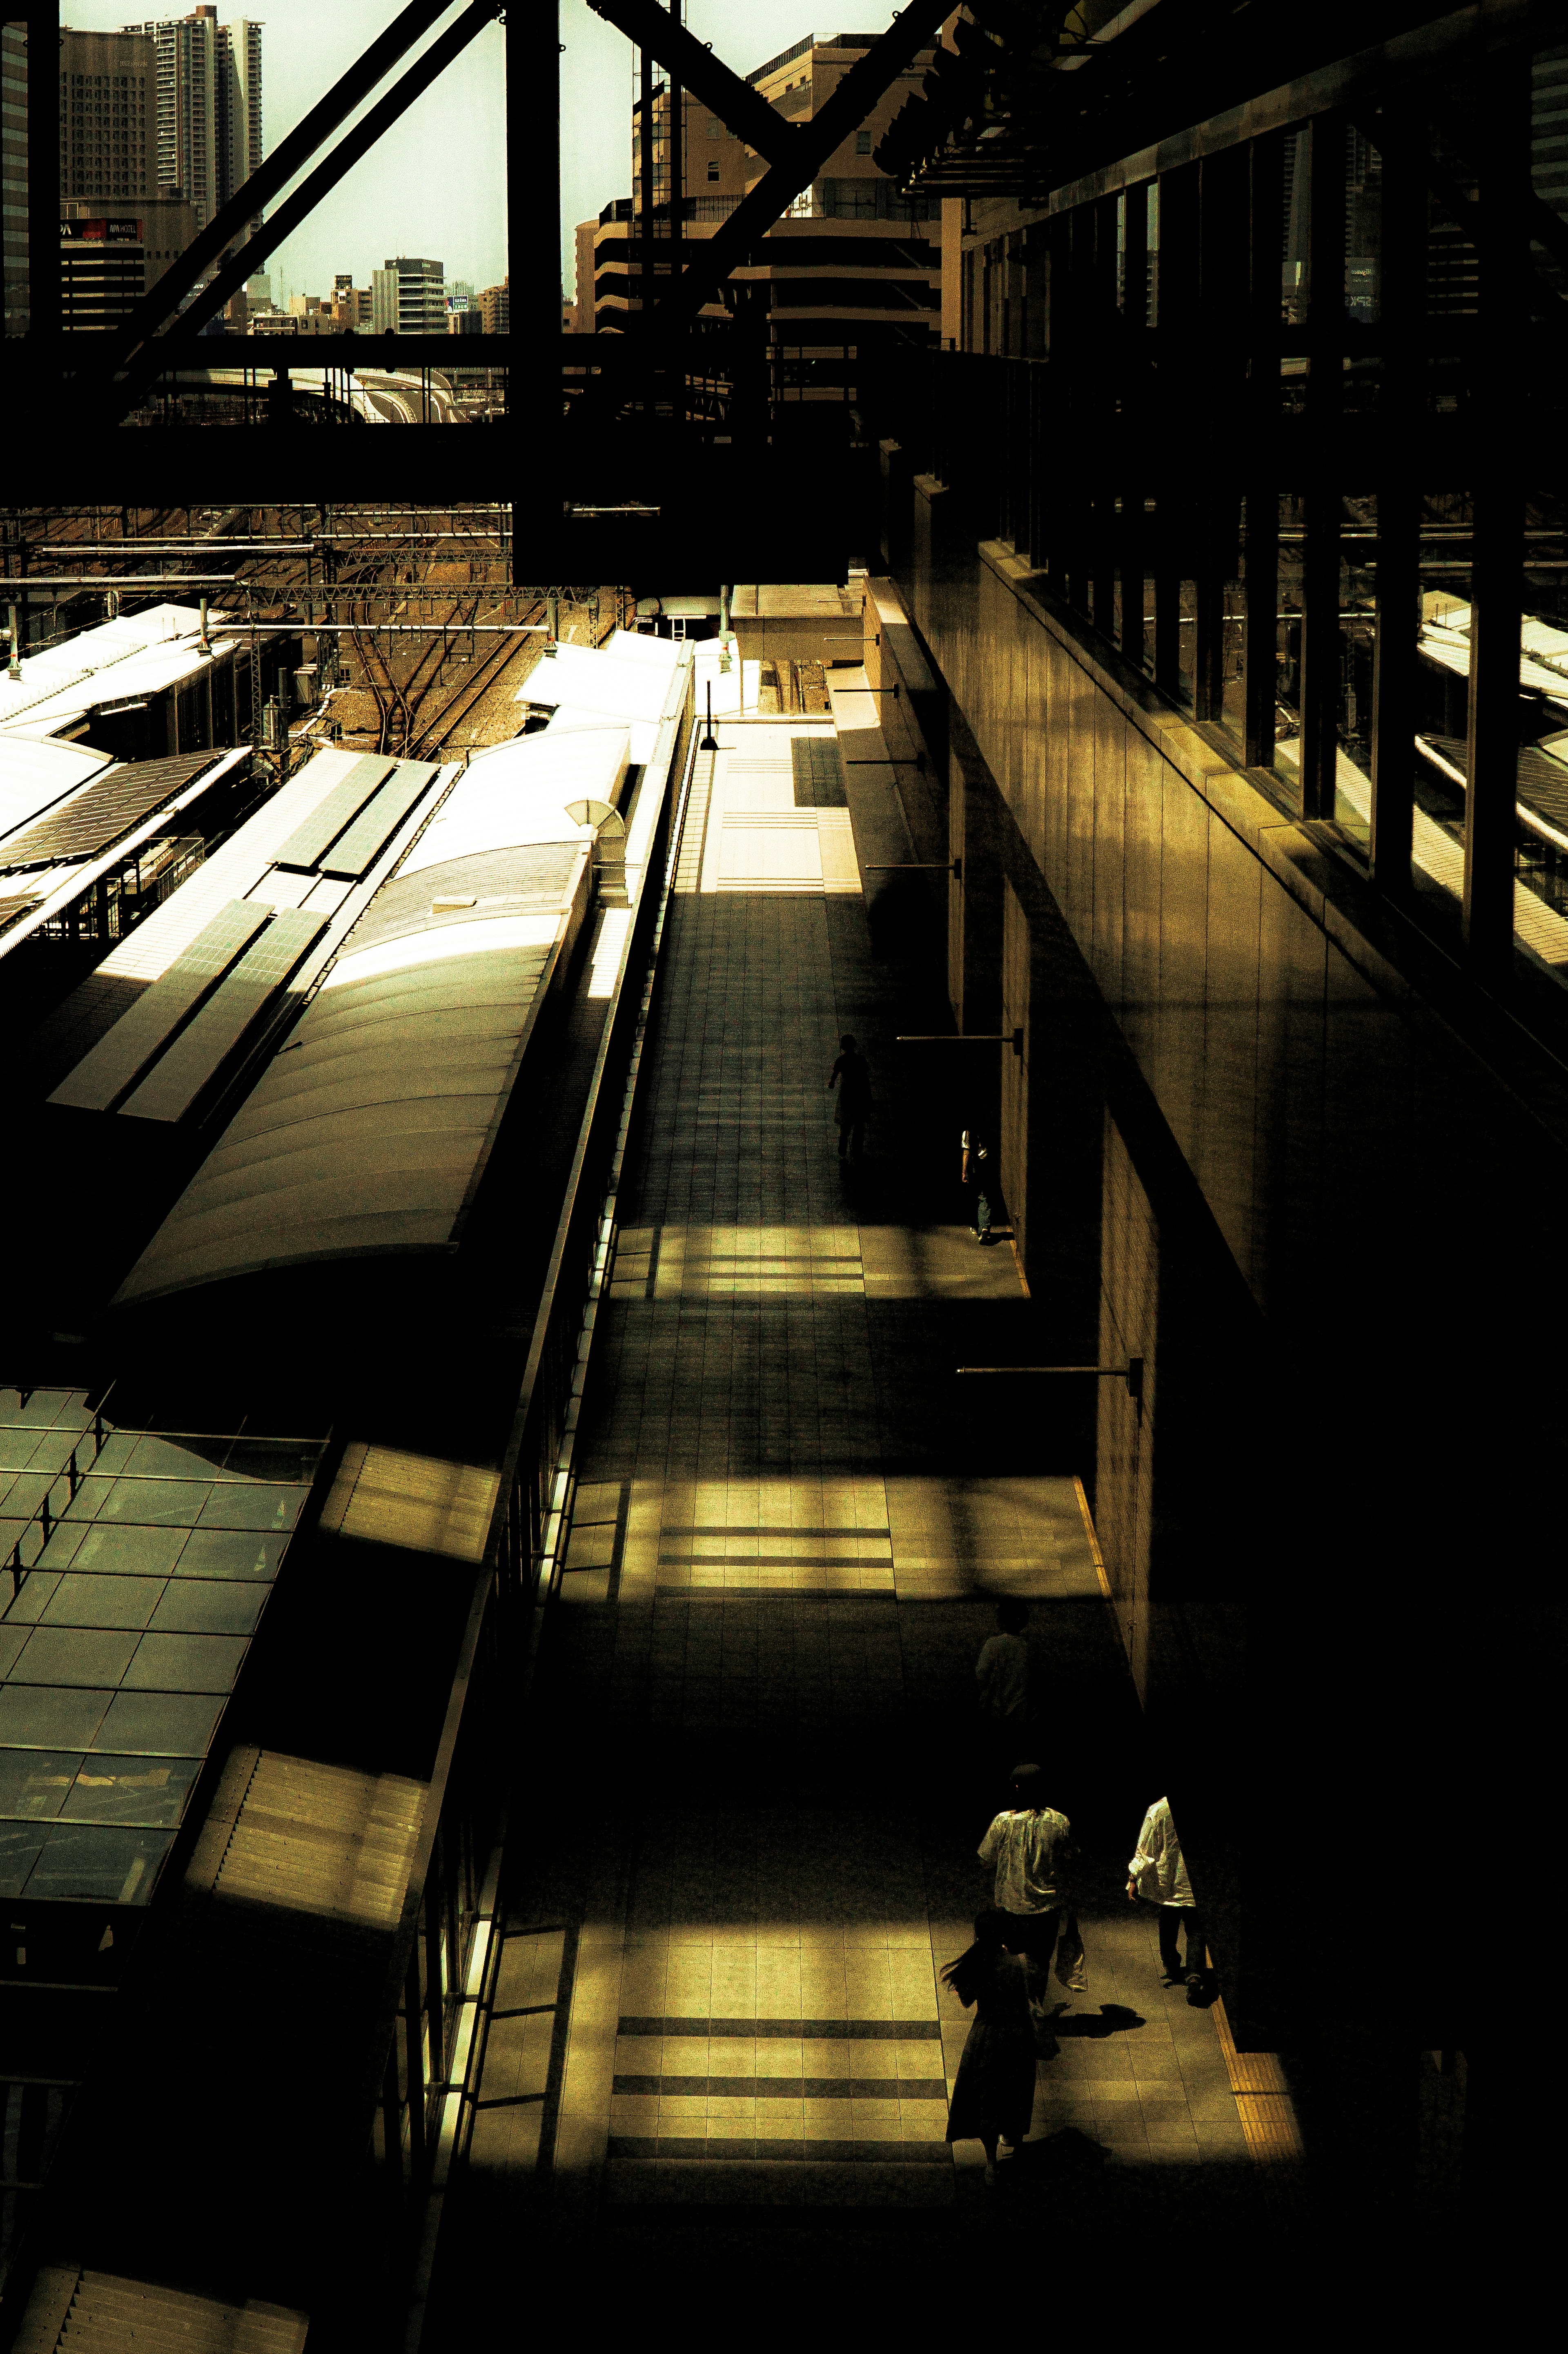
x: 994, y: 2098
x: 851, y: 1075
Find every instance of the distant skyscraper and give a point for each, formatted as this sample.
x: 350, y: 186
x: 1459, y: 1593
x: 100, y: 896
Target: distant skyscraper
x: 209, y: 137
x: 108, y: 117
x: 14, y: 179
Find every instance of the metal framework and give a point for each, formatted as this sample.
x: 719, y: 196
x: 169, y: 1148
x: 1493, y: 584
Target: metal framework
x: 1244, y: 480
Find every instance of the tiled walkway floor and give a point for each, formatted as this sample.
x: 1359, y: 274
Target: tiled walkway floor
x: 791, y: 1528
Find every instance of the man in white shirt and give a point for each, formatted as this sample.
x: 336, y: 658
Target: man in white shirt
x: 1031, y: 1847
x: 1002, y: 1673
x: 1157, y: 1873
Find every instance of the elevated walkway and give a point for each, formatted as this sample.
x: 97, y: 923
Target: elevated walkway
x: 719, y: 2002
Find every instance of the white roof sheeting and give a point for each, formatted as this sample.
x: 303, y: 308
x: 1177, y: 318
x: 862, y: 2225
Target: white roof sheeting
x: 369, y: 1131
x: 622, y: 687
x: 35, y: 774
x: 517, y: 792
x: 141, y: 654
x: 630, y: 645
x: 1450, y: 649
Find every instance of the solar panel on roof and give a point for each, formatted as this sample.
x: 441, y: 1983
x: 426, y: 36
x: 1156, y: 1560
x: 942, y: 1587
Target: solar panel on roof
x: 120, y: 1056
x: 13, y: 910
x: 373, y: 828
x: 176, y: 1080
x: 96, y: 816
x: 327, y: 820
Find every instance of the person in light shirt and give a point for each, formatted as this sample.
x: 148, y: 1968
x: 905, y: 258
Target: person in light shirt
x: 1030, y: 1846
x: 1157, y: 1874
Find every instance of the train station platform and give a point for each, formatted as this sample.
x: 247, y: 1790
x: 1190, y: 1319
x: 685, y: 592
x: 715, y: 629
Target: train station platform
x: 719, y: 2012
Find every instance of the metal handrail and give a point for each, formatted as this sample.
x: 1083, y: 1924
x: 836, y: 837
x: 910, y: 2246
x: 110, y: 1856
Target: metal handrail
x: 43, y: 1519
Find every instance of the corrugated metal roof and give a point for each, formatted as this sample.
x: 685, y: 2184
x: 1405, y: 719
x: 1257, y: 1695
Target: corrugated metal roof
x: 369, y: 1130
x: 139, y: 656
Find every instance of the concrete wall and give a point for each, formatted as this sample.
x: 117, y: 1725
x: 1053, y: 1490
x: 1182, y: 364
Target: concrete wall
x: 1265, y: 1129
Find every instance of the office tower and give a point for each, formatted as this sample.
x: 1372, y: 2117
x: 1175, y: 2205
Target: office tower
x: 408, y: 298
x: 14, y: 179
x: 108, y: 117
x: 209, y: 128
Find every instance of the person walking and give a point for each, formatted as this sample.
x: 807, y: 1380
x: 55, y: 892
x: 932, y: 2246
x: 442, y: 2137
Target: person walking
x: 993, y: 2096
x: 852, y: 1073
x: 1030, y: 1847
x: 1157, y: 1874
x: 976, y: 1168
x: 1004, y: 1673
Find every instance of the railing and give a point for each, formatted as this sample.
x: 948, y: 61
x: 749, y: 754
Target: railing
x: 445, y: 1947
x: 45, y: 1519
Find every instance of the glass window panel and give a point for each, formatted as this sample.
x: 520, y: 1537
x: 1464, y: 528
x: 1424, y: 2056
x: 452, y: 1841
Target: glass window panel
x: 12, y: 1638
x: 292, y: 1461
x: 35, y: 1782
x: 155, y: 1503
x: 208, y: 1607
x: 89, y: 1498
x: 21, y: 1844
x: 186, y: 1663
x: 74, y: 1655
x: 213, y: 1553
x: 19, y: 1448
x: 253, y: 1508
x: 157, y: 1725
x: 35, y: 1716
x: 176, y: 1458
x: 114, y: 1867
x: 123, y: 1553
x: 66, y: 1541
x: 28, y: 1605
x: 130, y: 1789
x: 102, y: 1601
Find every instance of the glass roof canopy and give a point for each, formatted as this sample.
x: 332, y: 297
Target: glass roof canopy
x: 132, y: 1611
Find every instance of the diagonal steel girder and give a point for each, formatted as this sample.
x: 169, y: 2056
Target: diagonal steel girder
x: 162, y: 301
x: 712, y: 258
x: 693, y: 64
x: 160, y: 352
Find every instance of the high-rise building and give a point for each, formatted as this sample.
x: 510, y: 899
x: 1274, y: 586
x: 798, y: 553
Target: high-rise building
x: 109, y: 99
x: 408, y: 298
x: 210, y: 131
x: 119, y: 232
x: 850, y: 264
x: 495, y: 304
x: 14, y: 303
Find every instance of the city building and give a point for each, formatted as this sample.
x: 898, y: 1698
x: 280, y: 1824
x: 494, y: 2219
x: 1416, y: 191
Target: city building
x: 352, y: 305
x: 13, y: 179
x: 495, y: 307
x: 407, y: 297
x: 109, y: 257
x: 109, y: 92
x: 817, y: 291
x: 209, y: 118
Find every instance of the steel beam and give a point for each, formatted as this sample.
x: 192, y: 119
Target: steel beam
x: 691, y: 63
x: 150, y: 360
x: 857, y: 94
x: 274, y: 173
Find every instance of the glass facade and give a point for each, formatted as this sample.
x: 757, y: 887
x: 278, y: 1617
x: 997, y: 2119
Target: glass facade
x: 136, y: 1566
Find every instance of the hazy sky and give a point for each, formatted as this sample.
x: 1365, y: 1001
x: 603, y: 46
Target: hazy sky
x: 434, y: 184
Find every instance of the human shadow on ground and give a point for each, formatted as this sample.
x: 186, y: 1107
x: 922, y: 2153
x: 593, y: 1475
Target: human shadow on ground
x: 1111, y: 2019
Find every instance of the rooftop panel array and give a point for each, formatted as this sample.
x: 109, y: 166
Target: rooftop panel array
x: 123, y: 1636
x: 93, y: 820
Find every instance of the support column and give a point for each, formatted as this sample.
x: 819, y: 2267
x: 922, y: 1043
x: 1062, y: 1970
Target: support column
x: 1402, y: 304
x: 1320, y: 555
x: 1261, y: 555
x: 534, y: 264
